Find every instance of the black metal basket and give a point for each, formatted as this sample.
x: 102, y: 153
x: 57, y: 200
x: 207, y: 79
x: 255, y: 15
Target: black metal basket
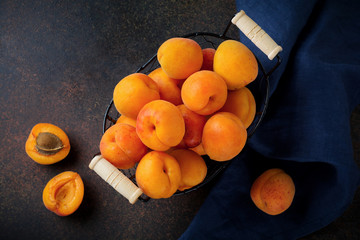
x: 259, y: 88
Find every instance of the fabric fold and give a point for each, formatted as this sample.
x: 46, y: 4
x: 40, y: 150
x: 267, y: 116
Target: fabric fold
x: 306, y: 130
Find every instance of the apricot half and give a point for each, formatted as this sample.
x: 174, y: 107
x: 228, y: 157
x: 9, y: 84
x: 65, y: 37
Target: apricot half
x: 158, y: 175
x: 64, y: 193
x: 273, y: 191
x: 47, y: 144
x: 235, y: 63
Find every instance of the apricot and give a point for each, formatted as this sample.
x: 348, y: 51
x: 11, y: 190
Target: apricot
x: 208, y: 59
x: 224, y: 136
x: 126, y: 120
x: 169, y: 88
x: 192, y: 166
x: 194, y: 124
x: 121, y: 146
x: 204, y: 92
x: 64, y: 193
x: 160, y: 125
x: 158, y: 175
x: 241, y: 102
x: 180, y: 57
x: 133, y: 92
x: 235, y: 63
x: 47, y: 144
x: 199, y: 149
x: 273, y: 191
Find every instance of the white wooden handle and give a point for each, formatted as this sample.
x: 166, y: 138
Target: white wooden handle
x: 256, y: 34
x: 115, y: 178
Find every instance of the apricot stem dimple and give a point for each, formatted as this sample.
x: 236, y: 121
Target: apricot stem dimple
x: 48, y: 143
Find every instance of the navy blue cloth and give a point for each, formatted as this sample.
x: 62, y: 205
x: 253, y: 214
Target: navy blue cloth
x: 306, y: 130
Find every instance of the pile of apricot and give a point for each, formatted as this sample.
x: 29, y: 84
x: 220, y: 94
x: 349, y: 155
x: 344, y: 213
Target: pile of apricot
x: 195, y: 103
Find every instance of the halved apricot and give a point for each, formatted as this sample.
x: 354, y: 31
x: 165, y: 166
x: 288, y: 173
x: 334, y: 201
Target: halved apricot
x: 64, y: 193
x: 47, y: 144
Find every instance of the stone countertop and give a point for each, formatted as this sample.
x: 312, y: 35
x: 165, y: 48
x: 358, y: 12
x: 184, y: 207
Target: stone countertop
x: 60, y: 61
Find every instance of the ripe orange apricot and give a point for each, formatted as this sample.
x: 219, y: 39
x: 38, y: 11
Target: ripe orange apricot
x: 204, y: 92
x: 224, y: 136
x: 133, y: 92
x: 273, y: 191
x: 199, y: 149
x: 158, y: 175
x: 235, y: 63
x: 193, y: 168
x: 126, y: 120
x: 208, y: 59
x: 47, y: 144
x: 169, y: 88
x: 121, y: 146
x: 180, y: 57
x: 160, y: 125
x: 64, y: 193
x: 194, y: 124
x: 241, y: 102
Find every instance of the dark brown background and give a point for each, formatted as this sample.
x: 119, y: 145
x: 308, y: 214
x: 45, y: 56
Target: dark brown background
x: 60, y: 61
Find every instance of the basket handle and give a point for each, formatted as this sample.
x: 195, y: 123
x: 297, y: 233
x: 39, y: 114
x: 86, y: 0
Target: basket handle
x: 256, y: 34
x: 115, y: 178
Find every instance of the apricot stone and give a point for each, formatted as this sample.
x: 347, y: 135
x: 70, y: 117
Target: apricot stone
x: 273, y: 191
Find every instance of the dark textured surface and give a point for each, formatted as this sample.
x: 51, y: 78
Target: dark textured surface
x: 59, y: 63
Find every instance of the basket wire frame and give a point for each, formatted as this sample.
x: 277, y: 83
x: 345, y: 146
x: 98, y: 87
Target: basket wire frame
x: 259, y: 88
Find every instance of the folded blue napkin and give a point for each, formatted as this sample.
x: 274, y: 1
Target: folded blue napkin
x: 306, y: 130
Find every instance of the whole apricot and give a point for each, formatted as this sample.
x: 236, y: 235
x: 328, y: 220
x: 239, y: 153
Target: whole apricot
x: 64, y: 193
x: 158, y: 175
x: 180, y: 57
x: 193, y: 168
x: 169, y: 88
x: 241, y: 102
x: 47, y: 144
x: 126, y: 120
x: 133, y: 92
x: 208, y: 59
x: 273, y: 191
x: 224, y: 136
x: 160, y: 125
x: 121, y: 146
x: 194, y: 125
x: 235, y: 63
x: 204, y: 92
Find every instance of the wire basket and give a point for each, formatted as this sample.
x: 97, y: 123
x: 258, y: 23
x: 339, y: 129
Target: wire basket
x: 259, y: 88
